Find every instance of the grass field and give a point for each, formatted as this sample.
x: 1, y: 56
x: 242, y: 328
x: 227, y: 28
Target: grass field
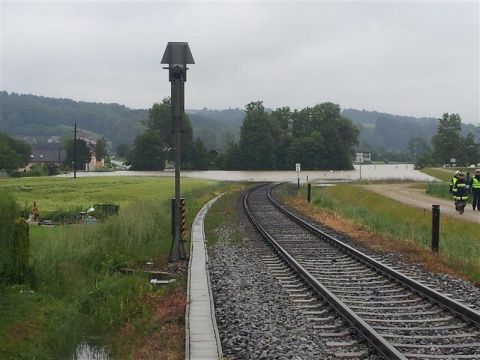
x: 76, y: 292
x: 400, y: 225
x: 445, y: 174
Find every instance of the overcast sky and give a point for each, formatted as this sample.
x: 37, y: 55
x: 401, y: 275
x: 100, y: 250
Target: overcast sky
x: 410, y: 58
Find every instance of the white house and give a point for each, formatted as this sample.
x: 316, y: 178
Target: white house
x: 94, y: 164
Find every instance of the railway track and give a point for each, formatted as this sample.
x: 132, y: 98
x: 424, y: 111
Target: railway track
x: 399, y: 317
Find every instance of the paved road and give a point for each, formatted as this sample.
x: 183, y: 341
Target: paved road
x: 404, y: 193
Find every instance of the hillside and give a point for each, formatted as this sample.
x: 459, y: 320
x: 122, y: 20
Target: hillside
x: 38, y: 116
x: 216, y: 128
x: 393, y: 132
x: 29, y: 115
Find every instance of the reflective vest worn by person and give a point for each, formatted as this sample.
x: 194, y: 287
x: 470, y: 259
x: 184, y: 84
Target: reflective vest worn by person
x: 475, y: 188
x: 453, y: 181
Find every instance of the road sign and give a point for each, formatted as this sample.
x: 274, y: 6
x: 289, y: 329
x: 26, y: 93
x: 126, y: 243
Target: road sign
x: 297, y: 167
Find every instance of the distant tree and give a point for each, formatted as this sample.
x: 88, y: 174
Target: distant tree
x: 282, y: 117
x: 231, y: 159
x: 148, y: 152
x: 159, y: 123
x: 201, y: 156
x: 101, y: 149
x: 447, y: 142
x: 123, y: 150
x: 340, y: 140
x: 224, y: 139
x: 335, y: 135
x: 418, y: 146
x: 84, y: 154
x: 424, y: 159
x: 471, y: 149
x: 13, y: 153
x: 307, y: 151
x: 9, y: 159
x: 257, y: 138
x: 318, y: 138
x: 159, y: 119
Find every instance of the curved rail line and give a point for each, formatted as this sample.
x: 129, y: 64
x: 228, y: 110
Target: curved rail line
x: 400, y: 317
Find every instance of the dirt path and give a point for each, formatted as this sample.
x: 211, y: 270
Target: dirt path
x: 404, y: 193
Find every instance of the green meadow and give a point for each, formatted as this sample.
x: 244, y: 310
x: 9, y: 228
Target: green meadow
x: 459, y: 239
x: 75, y: 290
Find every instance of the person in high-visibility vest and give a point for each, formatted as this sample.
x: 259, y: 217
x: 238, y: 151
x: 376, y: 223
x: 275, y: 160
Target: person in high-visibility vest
x: 475, y: 189
x: 453, y: 181
x: 460, y: 193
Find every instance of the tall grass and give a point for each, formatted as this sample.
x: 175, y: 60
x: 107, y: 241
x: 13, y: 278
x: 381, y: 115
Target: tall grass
x: 459, y: 240
x: 78, y: 291
x: 439, y: 189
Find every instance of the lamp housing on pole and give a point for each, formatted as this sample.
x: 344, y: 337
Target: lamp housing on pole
x: 177, y: 55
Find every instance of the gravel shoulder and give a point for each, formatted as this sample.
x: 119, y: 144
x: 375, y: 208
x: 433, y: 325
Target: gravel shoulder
x: 404, y: 193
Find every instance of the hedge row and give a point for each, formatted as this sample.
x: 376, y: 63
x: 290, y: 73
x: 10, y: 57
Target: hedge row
x: 14, y: 242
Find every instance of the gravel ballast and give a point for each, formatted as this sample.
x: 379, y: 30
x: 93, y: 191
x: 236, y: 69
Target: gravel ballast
x: 256, y: 317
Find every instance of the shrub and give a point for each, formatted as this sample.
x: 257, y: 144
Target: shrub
x: 8, y: 213
x: 20, y: 251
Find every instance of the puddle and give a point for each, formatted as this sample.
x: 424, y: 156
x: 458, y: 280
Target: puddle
x: 86, y: 352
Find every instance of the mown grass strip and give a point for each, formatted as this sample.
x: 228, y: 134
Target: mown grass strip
x: 222, y: 216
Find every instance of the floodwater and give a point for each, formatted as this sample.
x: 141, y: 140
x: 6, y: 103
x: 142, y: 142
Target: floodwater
x: 87, y: 352
x: 363, y: 172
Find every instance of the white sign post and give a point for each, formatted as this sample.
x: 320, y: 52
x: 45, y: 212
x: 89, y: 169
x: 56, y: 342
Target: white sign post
x: 297, y: 169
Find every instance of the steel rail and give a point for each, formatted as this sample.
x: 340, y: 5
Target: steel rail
x: 373, y: 337
x: 463, y: 311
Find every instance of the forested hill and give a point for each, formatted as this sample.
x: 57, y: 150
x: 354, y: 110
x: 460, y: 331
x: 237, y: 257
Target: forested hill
x: 29, y: 115
x: 393, y: 132
x: 38, y: 116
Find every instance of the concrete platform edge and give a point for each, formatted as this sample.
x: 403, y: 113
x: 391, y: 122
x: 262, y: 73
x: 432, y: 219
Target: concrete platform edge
x: 200, y: 216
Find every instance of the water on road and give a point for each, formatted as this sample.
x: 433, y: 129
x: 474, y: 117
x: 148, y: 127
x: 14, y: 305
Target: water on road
x: 363, y: 172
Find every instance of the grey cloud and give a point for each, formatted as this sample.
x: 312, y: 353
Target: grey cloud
x: 418, y: 58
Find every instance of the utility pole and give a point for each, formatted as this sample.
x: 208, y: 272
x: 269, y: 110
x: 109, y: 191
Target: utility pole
x: 177, y: 55
x: 75, y: 151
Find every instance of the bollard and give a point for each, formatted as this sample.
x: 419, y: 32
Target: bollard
x: 309, y: 192
x: 298, y: 183
x: 435, y: 227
